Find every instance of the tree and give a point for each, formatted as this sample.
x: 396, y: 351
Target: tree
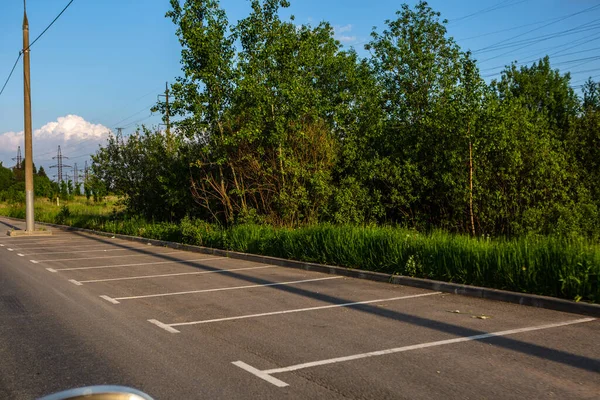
x: 264, y: 124
x: 42, y: 172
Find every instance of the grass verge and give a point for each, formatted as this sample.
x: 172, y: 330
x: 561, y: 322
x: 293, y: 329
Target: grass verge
x: 558, y: 267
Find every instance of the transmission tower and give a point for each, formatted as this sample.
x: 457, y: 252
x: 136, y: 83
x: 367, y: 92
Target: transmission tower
x: 18, y: 159
x: 59, y: 157
x: 119, y: 136
x: 86, y: 172
x: 75, y: 175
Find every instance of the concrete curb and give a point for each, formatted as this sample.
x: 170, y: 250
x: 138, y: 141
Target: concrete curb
x: 525, y: 299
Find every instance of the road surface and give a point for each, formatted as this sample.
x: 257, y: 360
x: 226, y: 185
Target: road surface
x: 78, y: 309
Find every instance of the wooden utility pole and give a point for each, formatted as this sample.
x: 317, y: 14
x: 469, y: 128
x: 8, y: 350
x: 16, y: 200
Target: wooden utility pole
x: 167, y: 109
x: 29, y: 211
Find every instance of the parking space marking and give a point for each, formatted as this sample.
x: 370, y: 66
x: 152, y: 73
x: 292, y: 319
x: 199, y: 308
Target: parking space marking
x: 44, y: 241
x: 295, y: 310
x: 81, y: 251
x: 266, y: 374
x: 136, y: 264
x: 163, y: 326
x: 98, y: 258
x: 175, y: 274
x: 110, y: 299
x: 73, y: 281
x: 9, y: 249
x: 115, y: 300
x: 64, y: 246
x: 261, y: 374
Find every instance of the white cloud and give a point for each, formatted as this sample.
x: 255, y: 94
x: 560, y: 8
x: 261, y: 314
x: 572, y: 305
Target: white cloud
x: 346, y: 39
x: 71, y: 127
x: 342, y: 29
x: 339, y: 33
x: 73, y: 133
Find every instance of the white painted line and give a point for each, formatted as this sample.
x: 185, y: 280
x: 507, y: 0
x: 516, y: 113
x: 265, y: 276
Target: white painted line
x: 260, y: 374
x: 109, y: 299
x: 1, y: 245
x: 264, y: 374
x: 33, y: 261
x: 111, y: 249
x: 225, y: 288
x: 139, y: 264
x: 73, y: 281
x: 20, y: 254
x: 51, y: 269
x: 9, y: 249
x: 75, y: 246
x: 98, y: 258
x: 163, y: 326
x: 177, y: 274
x: 207, y: 321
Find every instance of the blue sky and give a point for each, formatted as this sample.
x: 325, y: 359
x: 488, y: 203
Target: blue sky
x: 104, y: 62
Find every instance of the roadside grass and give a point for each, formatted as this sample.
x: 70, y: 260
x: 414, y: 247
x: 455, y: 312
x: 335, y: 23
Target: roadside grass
x: 559, y: 267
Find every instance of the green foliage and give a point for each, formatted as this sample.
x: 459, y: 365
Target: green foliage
x: 149, y: 169
x: 278, y: 124
x: 545, y: 265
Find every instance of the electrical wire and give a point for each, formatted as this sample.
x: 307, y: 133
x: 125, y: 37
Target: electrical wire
x: 11, y: 72
x: 146, y: 108
x: 494, y: 7
x: 541, y: 27
x: 32, y: 43
x: 589, y: 26
x: 48, y: 27
x: 508, y: 29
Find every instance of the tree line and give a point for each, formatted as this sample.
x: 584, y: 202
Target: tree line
x: 277, y: 123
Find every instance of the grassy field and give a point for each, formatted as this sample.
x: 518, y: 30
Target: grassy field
x: 559, y: 267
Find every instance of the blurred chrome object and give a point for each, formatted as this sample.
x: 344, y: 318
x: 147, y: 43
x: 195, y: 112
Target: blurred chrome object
x: 99, y: 393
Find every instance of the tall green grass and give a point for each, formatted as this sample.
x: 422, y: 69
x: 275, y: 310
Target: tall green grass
x: 559, y: 267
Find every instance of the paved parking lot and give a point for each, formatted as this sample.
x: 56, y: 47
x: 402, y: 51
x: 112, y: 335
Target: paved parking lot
x: 303, y: 334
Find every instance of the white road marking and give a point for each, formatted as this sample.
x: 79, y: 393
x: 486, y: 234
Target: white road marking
x: 163, y: 326
x: 111, y: 249
x: 260, y: 374
x: 9, y: 249
x: 225, y: 288
x: 26, y: 240
x: 109, y: 299
x: 76, y: 246
x: 266, y: 374
x: 51, y: 269
x: 296, y: 310
x: 98, y: 258
x: 176, y: 274
x: 1, y: 245
x: 138, y: 264
x: 33, y: 261
x: 21, y: 255
x: 73, y: 281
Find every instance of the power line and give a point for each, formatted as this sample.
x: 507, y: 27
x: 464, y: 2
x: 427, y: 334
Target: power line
x: 48, y: 27
x: 535, y: 42
x: 133, y: 115
x: 494, y: 7
x: 508, y: 29
x: 11, y: 72
x: 32, y: 43
x: 541, y: 27
x: 592, y: 25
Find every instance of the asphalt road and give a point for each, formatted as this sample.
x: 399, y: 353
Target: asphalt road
x: 78, y: 309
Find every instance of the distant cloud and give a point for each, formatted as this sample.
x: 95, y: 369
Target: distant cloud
x: 342, y: 29
x: 71, y: 127
x: 339, y: 33
x: 70, y: 132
